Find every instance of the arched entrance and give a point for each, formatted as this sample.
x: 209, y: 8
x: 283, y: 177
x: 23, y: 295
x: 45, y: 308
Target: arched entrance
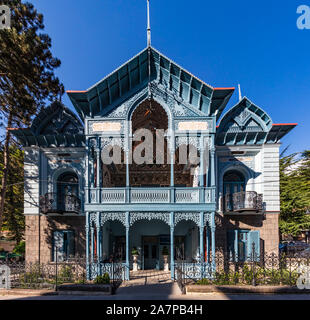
x: 151, y: 238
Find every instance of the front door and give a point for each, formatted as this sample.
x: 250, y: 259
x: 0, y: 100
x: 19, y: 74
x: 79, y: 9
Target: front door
x: 150, y: 252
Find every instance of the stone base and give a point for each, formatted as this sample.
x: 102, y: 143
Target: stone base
x: 39, y: 235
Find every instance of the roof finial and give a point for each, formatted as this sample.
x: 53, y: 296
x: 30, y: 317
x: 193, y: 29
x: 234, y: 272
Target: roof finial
x: 240, y: 95
x: 148, y: 24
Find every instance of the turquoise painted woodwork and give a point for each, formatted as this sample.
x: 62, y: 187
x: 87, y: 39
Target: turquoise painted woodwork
x: 114, y: 99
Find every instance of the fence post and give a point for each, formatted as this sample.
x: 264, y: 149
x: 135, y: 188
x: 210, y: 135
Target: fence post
x: 253, y: 265
x: 56, y: 274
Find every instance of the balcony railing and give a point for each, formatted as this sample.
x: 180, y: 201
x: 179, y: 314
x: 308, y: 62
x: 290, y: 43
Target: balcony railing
x: 55, y: 203
x: 243, y: 201
x: 151, y: 195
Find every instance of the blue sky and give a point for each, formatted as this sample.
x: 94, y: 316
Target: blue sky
x: 254, y: 43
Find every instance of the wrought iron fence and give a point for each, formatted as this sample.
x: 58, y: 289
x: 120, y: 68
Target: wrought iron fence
x: 27, y: 275
x: 114, y: 270
x: 255, y: 270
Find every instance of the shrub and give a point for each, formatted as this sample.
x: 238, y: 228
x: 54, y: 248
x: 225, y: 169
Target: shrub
x: 20, y: 248
x: 66, y: 274
x: 105, y: 279
x: 204, y: 282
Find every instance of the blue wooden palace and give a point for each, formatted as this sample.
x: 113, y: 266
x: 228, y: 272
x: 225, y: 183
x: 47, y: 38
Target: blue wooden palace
x: 226, y: 202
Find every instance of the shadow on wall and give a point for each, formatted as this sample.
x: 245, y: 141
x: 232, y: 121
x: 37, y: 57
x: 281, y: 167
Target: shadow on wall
x: 58, y: 223
x: 224, y: 223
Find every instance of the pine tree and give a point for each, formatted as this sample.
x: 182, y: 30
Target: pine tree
x: 13, y: 218
x: 295, y: 193
x: 27, y: 76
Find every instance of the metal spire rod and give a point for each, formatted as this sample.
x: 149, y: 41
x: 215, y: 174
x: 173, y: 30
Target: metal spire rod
x: 148, y: 24
x: 240, y: 95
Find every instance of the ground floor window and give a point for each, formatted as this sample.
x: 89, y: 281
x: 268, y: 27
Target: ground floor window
x: 240, y: 244
x: 63, y: 245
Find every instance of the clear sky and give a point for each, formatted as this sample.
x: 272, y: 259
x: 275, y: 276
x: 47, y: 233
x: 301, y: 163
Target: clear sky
x: 254, y: 43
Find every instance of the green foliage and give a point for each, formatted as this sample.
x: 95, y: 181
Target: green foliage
x: 295, y: 193
x: 27, y: 79
x: 20, y: 248
x: 26, y: 64
x: 33, y: 278
x: 105, y: 279
x: 263, y: 276
x: 66, y: 274
x: 134, y: 251
x: 14, y: 219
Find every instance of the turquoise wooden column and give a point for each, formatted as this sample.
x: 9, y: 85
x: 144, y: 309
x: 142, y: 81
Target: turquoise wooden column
x: 87, y: 245
x: 98, y: 171
x: 201, y: 229
x: 171, y: 147
x: 87, y: 175
x: 172, y: 244
x: 201, y: 170
x: 213, y: 242
x: 127, y: 176
x: 208, y: 243
x: 98, y: 243
x: 127, y: 272
x: 201, y: 247
x: 213, y: 165
x: 91, y: 244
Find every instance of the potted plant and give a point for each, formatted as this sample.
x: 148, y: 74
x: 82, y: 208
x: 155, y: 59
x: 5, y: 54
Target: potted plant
x: 165, y: 254
x: 135, y: 255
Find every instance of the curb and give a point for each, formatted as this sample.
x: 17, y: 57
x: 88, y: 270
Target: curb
x: 205, y: 289
x: 27, y: 292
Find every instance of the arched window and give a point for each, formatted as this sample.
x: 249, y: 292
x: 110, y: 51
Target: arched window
x: 67, y: 192
x: 233, y: 182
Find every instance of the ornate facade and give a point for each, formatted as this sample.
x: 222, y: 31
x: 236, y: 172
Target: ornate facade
x: 216, y: 187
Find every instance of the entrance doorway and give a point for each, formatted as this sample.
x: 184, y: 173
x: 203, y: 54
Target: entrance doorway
x: 150, y: 252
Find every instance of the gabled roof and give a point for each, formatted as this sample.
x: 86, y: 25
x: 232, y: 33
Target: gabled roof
x: 54, y: 126
x: 149, y: 65
x: 248, y: 124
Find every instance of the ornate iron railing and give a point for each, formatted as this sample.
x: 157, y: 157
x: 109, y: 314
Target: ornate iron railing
x: 257, y: 269
x: 58, y: 203
x: 151, y: 195
x: 27, y: 275
x: 243, y: 201
x: 159, y: 195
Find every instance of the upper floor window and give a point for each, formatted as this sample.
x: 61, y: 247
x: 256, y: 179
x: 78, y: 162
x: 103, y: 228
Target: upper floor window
x: 234, y: 182
x: 67, y: 192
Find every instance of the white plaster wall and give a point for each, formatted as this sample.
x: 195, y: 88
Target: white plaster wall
x: 271, y: 179
x: 31, y: 181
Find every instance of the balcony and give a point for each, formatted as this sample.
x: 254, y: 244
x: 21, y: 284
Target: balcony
x: 245, y: 201
x: 161, y: 195
x: 53, y: 203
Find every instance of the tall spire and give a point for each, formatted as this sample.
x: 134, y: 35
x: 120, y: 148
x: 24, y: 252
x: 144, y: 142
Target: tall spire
x: 240, y: 95
x: 148, y: 24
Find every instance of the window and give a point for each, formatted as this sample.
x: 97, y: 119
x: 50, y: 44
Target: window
x: 234, y: 182
x: 67, y: 192
x: 63, y: 245
x: 240, y: 244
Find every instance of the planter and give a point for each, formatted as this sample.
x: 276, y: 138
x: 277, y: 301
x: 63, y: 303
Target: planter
x: 166, y: 265
x: 135, y: 262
